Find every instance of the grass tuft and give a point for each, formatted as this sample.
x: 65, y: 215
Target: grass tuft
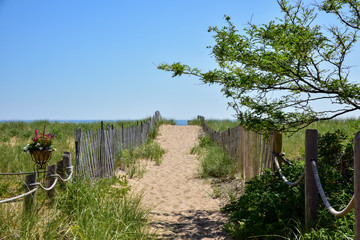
x: 214, y: 161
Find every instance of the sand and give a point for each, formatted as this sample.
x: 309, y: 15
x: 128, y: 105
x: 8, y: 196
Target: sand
x: 182, y: 207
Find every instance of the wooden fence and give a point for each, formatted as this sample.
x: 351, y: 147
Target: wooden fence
x: 252, y: 151
x: 95, y: 150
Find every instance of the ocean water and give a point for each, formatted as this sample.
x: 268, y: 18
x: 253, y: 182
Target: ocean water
x: 181, y: 122
x: 177, y: 122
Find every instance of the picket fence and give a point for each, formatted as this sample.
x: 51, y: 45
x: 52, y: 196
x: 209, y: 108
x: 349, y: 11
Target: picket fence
x: 251, y: 151
x: 95, y: 150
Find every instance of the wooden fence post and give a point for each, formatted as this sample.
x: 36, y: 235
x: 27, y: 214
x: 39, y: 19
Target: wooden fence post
x: 77, y: 148
x: 277, y: 146
x: 113, y: 142
x: 357, y: 184
x: 102, y: 148
x: 29, y: 199
x: 201, y: 119
x: 61, y: 167
x: 67, y: 161
x: 61, y: 171
x: 50, y: 180
x: 311, y: 192
x: 122, y: 137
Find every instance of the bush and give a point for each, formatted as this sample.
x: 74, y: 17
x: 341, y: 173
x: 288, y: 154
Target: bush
x: 268, y: 207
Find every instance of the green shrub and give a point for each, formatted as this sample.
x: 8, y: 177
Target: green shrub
x: 268, y: 207
x: 336, y: 151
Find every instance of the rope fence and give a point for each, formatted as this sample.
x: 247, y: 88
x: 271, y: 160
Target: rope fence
x: 17, y: 197
x: 62, y: 171
x: 328, y: 206
x: 313, y: 186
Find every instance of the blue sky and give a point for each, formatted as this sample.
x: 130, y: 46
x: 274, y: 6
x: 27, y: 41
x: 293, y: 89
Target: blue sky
x: 87, y: 59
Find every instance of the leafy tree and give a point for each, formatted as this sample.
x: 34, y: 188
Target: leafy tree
x: 292, y: 58
x: 348, y: 11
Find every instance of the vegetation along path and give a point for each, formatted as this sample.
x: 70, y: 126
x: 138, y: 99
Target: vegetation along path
x: 181, y: 203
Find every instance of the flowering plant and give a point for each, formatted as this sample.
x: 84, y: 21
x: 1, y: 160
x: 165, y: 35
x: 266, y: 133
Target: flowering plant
x: 41, y: 141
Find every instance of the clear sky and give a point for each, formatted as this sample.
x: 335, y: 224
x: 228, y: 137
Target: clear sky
x: 92, y: 59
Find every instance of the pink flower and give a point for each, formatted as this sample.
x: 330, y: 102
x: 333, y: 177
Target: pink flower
x: 36, y: 133
x: 35, y: 139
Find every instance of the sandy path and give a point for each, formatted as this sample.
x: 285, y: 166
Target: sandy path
x: 181, y: 203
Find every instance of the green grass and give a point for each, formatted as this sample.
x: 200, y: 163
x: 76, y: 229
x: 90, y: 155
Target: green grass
x: 214, y: 161
x: 82, y: 210
x: 221, y: 125
x: 294, y: 144
x: 217, y: 125
x: 130, y: 159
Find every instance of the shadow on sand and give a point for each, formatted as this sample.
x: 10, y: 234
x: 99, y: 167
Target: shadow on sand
x: 191, y: 224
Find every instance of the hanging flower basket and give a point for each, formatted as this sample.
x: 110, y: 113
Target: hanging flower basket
x: 41, y: 148
x: 41, y: 157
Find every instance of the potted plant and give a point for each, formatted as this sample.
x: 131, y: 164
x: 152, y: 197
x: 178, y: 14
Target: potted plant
x: 41, y: 148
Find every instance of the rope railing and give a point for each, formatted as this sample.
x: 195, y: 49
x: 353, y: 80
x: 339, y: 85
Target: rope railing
x: 69, y: 177
x: 38, y: 184
x: 17, y: 197
x: 297, y: 182
x: 313, y: 187
x: 286, y: 160
x: 45, y: 188
x: 328, y: 206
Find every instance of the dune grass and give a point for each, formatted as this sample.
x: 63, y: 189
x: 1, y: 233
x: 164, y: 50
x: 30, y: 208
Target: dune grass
x: 82, y: 210
x: 213, y: 160
x: 294, y: 144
